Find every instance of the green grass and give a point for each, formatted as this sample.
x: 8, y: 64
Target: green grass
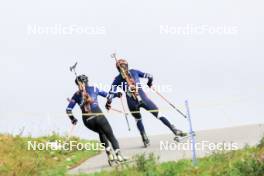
x: 245, y: 162
x: 17, y: 160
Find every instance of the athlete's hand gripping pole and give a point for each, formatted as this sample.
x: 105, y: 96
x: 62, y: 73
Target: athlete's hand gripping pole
x: 165, y: 99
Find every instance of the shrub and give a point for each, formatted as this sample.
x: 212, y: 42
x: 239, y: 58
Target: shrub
x: 147, y: 164
x: 261, y: 143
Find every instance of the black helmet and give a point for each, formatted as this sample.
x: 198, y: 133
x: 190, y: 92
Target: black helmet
x: 82, y: 79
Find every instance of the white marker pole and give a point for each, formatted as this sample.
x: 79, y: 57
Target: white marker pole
x: 191, y: 133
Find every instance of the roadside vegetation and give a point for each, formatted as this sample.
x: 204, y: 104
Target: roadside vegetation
x: 245, y: 162
x: 17, y: 160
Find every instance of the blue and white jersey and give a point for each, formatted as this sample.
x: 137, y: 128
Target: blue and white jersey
x: 119, y: 81
x: 93, y: 92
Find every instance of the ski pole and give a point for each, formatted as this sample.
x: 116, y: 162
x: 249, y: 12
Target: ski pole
x: 174, y: 107
x: 192, y: 134
x: 70, y: 132
x: 72, y: 127
x: 123, y: 107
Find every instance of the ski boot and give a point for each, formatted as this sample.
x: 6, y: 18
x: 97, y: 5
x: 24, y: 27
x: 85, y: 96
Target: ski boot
x: 120, y: 158
x: 111, y: 157
x: 145, y: 140
x: 179, y: 135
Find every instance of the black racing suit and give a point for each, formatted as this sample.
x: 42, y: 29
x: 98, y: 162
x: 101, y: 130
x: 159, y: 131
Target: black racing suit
x: 94, y: 120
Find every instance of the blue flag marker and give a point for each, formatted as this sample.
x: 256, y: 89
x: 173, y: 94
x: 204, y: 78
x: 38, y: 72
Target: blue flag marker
x: 191, y: 133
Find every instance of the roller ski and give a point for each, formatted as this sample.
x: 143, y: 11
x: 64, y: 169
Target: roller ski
x: 179, y: 135
x: 115, y: 159
x: 182, y: 138
x: 120, y: 158
x: 112, y: 159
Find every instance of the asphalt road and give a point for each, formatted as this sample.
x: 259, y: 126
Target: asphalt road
x: 168, y: 150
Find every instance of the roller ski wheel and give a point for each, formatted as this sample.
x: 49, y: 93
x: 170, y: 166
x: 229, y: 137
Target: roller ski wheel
x: 120, y: 158
x: 111, y: 163
x: 183, y: 137
x: 111, y: 159
x: 180, y: 139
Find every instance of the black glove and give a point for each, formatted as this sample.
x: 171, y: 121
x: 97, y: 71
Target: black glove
x: 108, y: 105
x: 150, y: 83
x: 74, y: 121
x: 119, y: 94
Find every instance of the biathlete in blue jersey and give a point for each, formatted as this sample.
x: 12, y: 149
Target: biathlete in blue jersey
x: 92, y: 116
x: 129, y: 81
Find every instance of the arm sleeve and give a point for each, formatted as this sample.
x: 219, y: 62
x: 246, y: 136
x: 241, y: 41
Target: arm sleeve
x: 102, y: 93
x: 107, y: 95
x: 70, y: 106
x: 144, y: 75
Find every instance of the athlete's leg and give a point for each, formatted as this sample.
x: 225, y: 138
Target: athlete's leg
x: 135, y: 111
x: 103, y: 140
x: 150, y: 106
x: 153, y: 109
x: 101, y: 125
x: 106, y: 129
x: 92, y: 125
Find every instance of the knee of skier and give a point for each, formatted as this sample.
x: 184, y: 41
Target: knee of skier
x: 156, y: 114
